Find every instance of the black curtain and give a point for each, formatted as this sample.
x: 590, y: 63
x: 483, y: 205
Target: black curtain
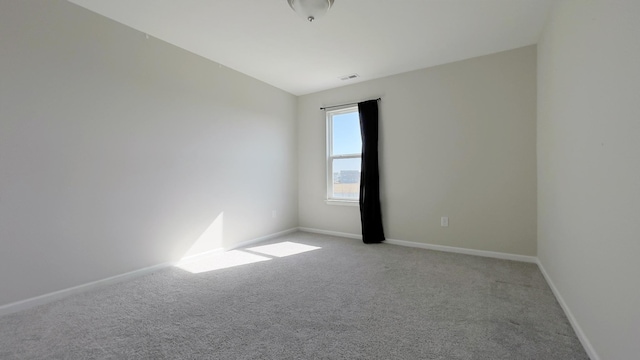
x: 370, y: 213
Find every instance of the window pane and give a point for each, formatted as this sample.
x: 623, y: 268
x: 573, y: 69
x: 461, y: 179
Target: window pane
x: 346, y: 134
x: 346, y: 179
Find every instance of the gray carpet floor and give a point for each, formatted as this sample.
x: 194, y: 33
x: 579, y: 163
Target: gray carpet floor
x: 344, y: 300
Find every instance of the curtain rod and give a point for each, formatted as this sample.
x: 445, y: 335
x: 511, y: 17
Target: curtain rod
x: 356, y: 103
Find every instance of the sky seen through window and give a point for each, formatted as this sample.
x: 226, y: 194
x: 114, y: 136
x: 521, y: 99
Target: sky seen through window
x: 346, y: 140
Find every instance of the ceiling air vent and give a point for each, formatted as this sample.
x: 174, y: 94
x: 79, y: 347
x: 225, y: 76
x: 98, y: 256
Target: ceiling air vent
x: 349, y: 77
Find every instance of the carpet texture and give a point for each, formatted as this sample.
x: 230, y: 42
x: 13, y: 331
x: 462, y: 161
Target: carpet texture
x: 343, y: 300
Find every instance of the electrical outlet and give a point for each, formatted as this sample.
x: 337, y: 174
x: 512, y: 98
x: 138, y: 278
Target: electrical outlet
x: 444, y: 221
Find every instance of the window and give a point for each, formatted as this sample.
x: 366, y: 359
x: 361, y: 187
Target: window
x: 344, y: 154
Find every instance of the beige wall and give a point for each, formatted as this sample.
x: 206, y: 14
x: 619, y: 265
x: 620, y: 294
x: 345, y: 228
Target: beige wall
x: 457, y: 140
x: 118, y: 152
x: 589, y: 168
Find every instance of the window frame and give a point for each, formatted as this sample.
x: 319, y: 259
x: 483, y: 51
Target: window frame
x: 330, y: 157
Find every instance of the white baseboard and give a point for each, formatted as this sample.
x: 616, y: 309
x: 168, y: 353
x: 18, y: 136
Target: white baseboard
x: 199, y: 255
x: 588, y: 347
x: 56, y: 295
x: 46, y: 298
x: 261, y: 239
x: 452, y: 249
x: 331, y: 233
x: 591, y: 352
x: 483, y: 253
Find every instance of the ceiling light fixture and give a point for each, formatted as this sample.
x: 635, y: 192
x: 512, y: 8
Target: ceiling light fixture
x: 310, y: 9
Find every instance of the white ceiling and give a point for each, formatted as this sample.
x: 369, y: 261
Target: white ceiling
x: 266, y: 40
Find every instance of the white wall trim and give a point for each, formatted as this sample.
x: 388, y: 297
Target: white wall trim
x: 586, y: 344
x: 261, y: 239
x: 242, y: 244
x: 466, y: 251
x: 341, y: 202
x: 484, y: 253
x: 237, y: 246
x: 330, y: 233
x: 199, y: 255
x: 492, y: 254
x: 56, y: 295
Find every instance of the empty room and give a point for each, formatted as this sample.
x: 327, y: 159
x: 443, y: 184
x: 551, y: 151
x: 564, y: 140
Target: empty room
x: 320, y: 179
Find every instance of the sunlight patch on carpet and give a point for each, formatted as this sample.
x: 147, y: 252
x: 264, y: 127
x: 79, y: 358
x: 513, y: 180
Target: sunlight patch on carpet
x: 219, y: 261
x: 283, y: 249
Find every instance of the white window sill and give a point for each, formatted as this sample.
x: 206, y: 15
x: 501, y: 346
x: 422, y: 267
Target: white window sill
x: 342, y: 202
